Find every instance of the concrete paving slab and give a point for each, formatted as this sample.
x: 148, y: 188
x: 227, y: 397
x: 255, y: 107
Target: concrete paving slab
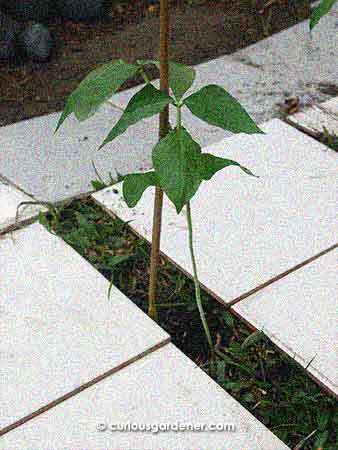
x: 10, y: 198
x: 58, y: 329
x: 299, y: 314
x: 313, y: 119
x: 248, y: 230
x: 295, y: 59
x: 164, y: 387
x: 54, y: 168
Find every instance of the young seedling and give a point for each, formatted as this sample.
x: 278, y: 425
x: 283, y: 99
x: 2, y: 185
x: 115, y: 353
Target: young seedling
x: 179, y: 164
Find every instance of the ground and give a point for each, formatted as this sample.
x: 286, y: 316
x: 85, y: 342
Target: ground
x: 198, y: 33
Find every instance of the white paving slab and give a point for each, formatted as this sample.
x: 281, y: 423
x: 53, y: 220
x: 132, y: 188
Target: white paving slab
x: 54, y: 168
x: 296, y: 59
x: 10, y: 198
x: 315, y: 118
x: 58, y: 329
x: 248, y: 230
x: 164, y: 387
x: 299, y: 314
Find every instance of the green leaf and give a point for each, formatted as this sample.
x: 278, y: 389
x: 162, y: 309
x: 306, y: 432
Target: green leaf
x: 322, y: 9
x: 145, y: 103
x: 229, y: 361
x: 254, y: 338
x: 248, y: 397
x: 175, y: 159
x: 180, y: 166
x: 97, y: 87
x: 210, y: 164
x: 228, y: 319
x: 234, y: 386
x: 220, y: 368
x: 321, y: 440
x: 217, y: 107
x: 323, y: 418
x: 135, y: 184
x: 43, y: 221
x: 181, y: 77
x: 115, y: 260
x: 98, y: 185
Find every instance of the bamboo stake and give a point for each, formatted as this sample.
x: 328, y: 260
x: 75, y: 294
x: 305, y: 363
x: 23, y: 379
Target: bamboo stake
x: 163, y: 131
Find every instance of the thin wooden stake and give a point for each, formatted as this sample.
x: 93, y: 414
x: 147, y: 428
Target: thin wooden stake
x: 163, y: 131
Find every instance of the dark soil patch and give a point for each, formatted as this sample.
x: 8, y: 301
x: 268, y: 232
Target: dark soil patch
x: 198, y: 33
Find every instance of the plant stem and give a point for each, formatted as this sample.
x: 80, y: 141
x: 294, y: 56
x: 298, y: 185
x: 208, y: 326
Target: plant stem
x: 179, y: 118
x: 197, y: 284
x: 144, y: 75
x: 192, y: 255
x: 163, y: 131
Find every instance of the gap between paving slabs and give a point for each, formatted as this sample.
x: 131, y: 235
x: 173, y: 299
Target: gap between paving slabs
x: 316, y: 120
x: 10, y: 199
x: 116, y: 207
x: 281, y: 345
x: 260, y: 437
x: 275, y: 208
x: 191, y: 340
x: 48, y: 317
x: 294, y: 313
x: 165, y: 387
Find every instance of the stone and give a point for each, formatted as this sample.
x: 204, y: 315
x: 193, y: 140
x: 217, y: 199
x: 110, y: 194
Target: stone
x: 82, y: 10
x: 24, y: 10
x: 37, y: 42
x: 9, y: 37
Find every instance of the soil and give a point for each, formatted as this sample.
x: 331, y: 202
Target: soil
x: 198, y: 33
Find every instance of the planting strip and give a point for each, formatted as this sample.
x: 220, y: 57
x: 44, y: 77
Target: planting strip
x: 298, y: 314
x: 290, y: 218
